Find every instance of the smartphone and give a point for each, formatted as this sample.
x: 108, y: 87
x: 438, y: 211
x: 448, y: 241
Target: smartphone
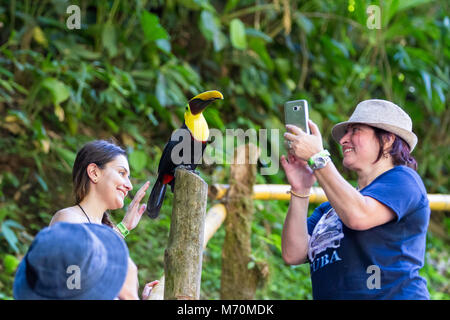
x: 296, y: 113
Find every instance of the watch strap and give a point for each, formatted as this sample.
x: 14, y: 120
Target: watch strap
x: 123, y: 230
x: 323, y: 153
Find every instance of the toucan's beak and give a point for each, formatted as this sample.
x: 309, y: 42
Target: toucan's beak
x: 198, y: 103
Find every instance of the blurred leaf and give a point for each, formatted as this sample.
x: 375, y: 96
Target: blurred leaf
x: 59, y: 91
x: 213, y: 118
x: 41, y: 182
x: 59, y: 112
x: 258, y: 45
x: 209, y: 24
x: 231, y: 4
x: 5, y: 84
x: 10, y: 263
x: 258, y: 34
x: 39, y: 36
x: 20, y: 115
x: 66, y: 155
x: 112, y: 124
x: 161, y: 90
x: 407, y: 4
x: 210, y: 27
x: 151, y: 27
x: 304, y: 22
x: 109, y: 39
x: 9, y: 234
x: 164, y: 45
x: 237, y: 34
x: 427, y: 83
x: 138, y: 160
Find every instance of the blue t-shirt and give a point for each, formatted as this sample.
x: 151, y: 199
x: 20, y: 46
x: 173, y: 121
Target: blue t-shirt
x: 382, y: 262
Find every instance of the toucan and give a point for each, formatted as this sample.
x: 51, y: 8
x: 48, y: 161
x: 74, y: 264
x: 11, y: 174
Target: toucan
x: 192, y: 136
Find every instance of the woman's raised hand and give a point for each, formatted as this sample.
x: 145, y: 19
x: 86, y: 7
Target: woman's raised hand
x: 135, y: 210
x: 299, y: 175
x: 304, y: 145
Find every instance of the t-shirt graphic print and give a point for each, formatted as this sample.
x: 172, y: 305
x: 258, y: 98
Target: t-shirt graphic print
x: 326, y: 234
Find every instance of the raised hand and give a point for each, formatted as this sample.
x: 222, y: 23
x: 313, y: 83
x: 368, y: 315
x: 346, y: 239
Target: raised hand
x: 134, y: 211
x: 299, y: 175
x: 304, y: 145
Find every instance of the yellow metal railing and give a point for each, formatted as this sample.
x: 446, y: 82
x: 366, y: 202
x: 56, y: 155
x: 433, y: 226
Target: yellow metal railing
x: 438, y: 202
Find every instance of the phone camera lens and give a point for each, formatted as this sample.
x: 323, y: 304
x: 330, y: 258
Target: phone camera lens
x: 295, y: 108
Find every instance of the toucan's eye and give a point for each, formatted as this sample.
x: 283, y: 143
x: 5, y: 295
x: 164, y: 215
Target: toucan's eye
x: 186, y: 108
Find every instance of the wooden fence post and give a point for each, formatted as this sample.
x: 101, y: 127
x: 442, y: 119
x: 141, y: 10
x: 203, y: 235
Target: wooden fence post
x: 183, y: 255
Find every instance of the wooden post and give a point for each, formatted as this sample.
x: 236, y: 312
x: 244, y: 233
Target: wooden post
x: 238, y: 281
x: 214, y: 219
x: 183, y: 255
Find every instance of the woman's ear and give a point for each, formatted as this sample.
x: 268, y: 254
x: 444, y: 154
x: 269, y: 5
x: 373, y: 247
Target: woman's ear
x: 388, y: 142
x: 93, y: 172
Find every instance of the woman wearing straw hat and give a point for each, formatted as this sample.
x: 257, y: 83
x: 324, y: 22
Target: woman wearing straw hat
x: 364, y: 243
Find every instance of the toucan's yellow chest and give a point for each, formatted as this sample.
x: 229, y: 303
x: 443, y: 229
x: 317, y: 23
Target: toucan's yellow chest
x: 197, y: 126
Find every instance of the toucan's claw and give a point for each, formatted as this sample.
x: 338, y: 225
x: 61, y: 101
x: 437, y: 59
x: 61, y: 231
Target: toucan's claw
x: 185, y: 167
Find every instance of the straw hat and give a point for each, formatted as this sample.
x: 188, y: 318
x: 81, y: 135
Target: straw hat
x: 380, y: 114
x: 99, y: 253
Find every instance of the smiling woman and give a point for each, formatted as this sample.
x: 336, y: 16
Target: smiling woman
x: 381, y: 225
x: 101, y: 182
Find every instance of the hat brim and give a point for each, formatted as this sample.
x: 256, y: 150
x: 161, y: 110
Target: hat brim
x: 338, y: 131
x: 108, y: 285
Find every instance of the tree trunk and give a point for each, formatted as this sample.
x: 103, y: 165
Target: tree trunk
x: 183, y: 255
x: 239, y: 279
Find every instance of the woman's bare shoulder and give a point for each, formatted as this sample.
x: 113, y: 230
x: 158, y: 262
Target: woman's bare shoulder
x: 70, y: 214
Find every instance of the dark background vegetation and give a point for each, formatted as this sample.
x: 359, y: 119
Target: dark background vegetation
x: 130, y: 69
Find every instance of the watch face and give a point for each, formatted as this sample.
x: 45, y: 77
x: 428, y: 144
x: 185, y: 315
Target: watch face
x: 320, y: 162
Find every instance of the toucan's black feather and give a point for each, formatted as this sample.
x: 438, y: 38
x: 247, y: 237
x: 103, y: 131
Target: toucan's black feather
x: 156, y: 199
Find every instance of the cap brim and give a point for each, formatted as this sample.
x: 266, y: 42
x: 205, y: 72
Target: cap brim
x: 108, y: 285
x: 338, y: 131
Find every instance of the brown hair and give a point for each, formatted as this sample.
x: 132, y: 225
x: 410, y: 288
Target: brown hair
x: 400, y: 150
x: 99, y: 152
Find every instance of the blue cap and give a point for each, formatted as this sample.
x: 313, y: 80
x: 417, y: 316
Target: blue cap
x: 73, y: 261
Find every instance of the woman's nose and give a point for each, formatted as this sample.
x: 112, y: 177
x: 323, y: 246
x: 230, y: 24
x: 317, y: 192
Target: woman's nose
x: 345, y: 138
x: 128, y: 185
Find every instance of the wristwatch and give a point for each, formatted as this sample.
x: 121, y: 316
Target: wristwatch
x: 123, y: 230
x: 319, y: 160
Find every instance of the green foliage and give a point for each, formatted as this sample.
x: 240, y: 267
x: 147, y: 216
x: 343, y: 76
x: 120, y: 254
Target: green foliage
x: 132, y: 66
x: 7, y: 232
